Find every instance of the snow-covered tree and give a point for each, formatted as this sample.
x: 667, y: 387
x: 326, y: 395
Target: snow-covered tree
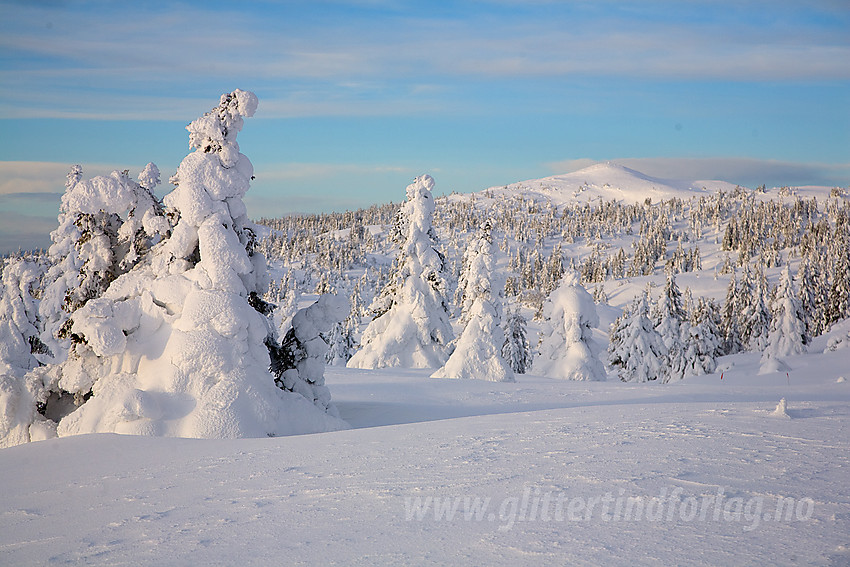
x: 516, y: 350
x: 755, y: 315
x: 730, y: 317
x: 838, y: 297
x: 476, y: 277
x: 411, y: 326
x: 19, y: 322
x: 357, y: 306
x: 636, y: 350
x: 703, y: 340
x: 568, y: 350
x: 787, y: 335
x: 105, y: 225
x: 299, y: 363
x: 671, y: 323
x: 478, y: 352
x: 19, y: 345
x: 287, y: 308
x: 341, y: 342
x: 180, y: 344
x: 811, y: 298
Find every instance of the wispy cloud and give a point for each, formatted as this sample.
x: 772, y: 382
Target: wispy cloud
x: 32, y: 177
x: 30, y: 194
x: 39, y: 177
x: 61, y: 61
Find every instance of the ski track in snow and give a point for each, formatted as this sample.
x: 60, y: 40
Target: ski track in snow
x: 341, y: 497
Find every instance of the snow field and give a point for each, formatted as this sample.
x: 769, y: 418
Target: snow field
x: 401, y: 488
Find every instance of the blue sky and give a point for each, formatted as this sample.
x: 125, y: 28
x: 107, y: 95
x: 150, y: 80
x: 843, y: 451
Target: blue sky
x: 358, y: 97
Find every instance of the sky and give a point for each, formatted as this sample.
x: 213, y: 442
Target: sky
x: 358, y: 97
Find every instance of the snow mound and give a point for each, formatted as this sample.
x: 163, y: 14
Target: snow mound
x: 772, y: 365
x: 781, y: 410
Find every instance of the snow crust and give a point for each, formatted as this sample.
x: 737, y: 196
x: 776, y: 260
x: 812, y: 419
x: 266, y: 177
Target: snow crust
x: 153, y: 501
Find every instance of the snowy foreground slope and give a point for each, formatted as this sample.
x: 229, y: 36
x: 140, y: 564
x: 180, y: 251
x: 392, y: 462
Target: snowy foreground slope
x: 520, y: 472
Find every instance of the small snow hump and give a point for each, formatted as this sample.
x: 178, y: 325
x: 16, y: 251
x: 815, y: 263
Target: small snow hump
x: 781, y: 410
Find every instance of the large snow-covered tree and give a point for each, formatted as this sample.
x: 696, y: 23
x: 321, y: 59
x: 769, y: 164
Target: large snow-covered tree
x: 411, y: 327
x: 568, y: 350
x: 171, y: 336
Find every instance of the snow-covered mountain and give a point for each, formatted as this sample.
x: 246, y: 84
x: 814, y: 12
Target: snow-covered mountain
x: 609, y: 182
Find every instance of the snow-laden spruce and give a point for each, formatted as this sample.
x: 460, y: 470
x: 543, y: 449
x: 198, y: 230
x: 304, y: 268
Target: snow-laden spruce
x: 106, y: 224
x: 195, y: 361
x: 411, y: 327
x: 299, y: 363
x: 478, y: 352
x: 516, y: 350
x: 787, y: 336
x: 170, y: 336
x: 19, y: 345
x: 636, y: 351
x: 672, y: 325
x: 568, y: 350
